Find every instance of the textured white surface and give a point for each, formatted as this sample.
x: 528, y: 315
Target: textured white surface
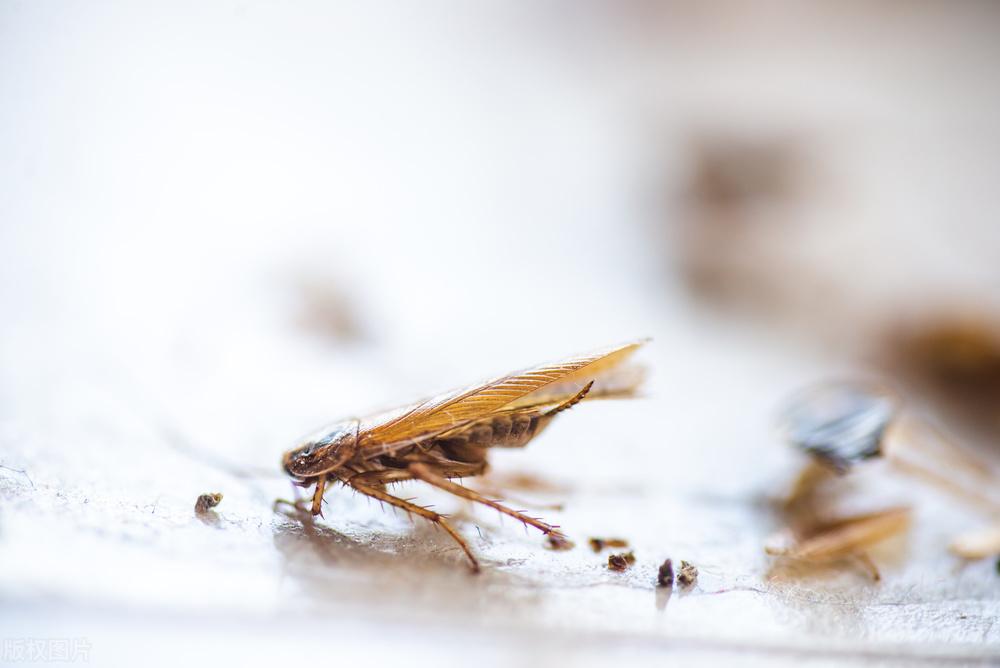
x: 471, y: 182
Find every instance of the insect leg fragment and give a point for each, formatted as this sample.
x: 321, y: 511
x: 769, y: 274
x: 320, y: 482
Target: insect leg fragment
x: 425, y: 473
x: 430, y: 515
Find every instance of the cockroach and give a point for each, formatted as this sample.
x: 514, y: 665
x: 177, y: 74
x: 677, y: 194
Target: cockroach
x: 842, y: 424
x: 449, y: 435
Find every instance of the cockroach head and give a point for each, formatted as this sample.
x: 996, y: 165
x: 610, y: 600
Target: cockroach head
x: 323, y: 452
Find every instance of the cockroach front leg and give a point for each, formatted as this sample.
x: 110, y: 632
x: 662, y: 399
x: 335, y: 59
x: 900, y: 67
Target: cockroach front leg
x: 317, y: 500
x: 316, y: 507
x: 425, y: 473
x: 427, y: 514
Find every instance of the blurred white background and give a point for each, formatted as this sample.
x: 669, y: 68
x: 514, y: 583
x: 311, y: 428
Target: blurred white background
x: 237, y: 220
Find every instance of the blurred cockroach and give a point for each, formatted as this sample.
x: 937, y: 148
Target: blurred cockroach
x: 449, y: 435
x: 842, y: 424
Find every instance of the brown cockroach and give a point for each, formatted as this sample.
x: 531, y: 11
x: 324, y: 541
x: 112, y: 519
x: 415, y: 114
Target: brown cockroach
x: 449, y: 435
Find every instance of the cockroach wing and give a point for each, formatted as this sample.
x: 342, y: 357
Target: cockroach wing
x: 538, y: 385
x: 612, y: 378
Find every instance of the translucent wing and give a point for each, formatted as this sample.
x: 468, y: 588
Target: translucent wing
x: 540, y: 385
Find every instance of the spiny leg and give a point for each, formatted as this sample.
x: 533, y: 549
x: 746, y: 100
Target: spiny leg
x: 425, y: 473
x: 409, y: 507
x: 379, y: 479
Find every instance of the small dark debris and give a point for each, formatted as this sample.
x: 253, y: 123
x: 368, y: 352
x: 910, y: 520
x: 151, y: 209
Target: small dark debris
x: 665, y: 576
x: 559, y: 542
x: 620, y: 562
x: 687, y: 575
x: 616, y: 562
x: 598, y: 544
x: 207, y: 501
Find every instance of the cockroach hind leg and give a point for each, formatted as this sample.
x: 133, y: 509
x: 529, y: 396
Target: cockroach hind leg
x: 425, y: 473
x: 435, y: 518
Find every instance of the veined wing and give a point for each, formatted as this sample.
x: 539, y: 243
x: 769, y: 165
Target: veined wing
x: 538, y: 385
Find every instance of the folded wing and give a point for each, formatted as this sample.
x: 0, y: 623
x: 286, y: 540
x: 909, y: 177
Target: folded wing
x: 538, y: 386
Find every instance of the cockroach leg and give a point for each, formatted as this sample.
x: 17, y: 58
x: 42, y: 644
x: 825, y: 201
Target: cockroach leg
x: 424, y: 472
x: 379, y: 479
x: 317, y: 499
x: 409, y: 507
x: 298, y: 505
